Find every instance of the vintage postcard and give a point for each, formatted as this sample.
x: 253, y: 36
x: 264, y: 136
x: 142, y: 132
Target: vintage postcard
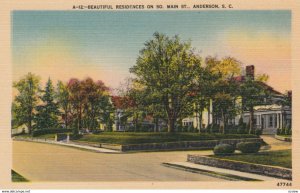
x: 153, y: 95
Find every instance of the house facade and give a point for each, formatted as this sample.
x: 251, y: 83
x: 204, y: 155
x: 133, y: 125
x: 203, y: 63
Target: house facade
x: 269, y: 118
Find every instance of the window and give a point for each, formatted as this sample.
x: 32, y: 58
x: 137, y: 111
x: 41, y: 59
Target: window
x: 187, y: 123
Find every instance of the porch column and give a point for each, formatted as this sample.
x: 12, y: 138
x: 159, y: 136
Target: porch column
x: 277, y: 120
x: 281, y: 124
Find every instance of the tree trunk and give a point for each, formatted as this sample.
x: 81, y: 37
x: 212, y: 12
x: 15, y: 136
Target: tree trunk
x: 251, y: 120
x: 29, y: 126
x: 171, y: 125
x: 66, y: 121
x: 156, y: 125
x: 200, y: 121
x: 135, y: 122
x: 78, y: 121
x: 222, y: 125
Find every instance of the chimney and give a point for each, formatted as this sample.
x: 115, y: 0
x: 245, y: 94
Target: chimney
x: 250, y: 71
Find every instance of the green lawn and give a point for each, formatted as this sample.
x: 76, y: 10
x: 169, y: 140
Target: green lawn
x: 282, y: 158
x: 15, y: 177
x: 285, y: 135
x: 46, y: 136
x: 139, y: 137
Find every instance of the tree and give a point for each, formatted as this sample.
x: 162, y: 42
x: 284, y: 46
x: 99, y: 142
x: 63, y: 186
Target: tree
x: 47, y: 113
x: 253, y: 93
x: 62, y: 95
x: 90, y: 103
x: 77, y: 100
x: 218, y: 85
x: 96, y: 102
x: 153, y: 108
x: 166, y: 66
x: 133, y: 101
x: 26, y: 100
x: 287, y: 99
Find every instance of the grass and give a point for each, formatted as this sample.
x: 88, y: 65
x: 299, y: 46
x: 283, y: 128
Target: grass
x: 15, y: 177
x: 285, y: 135
x: 282, y: 158
x: 142, y: 137
x: 210, y: 173
x: 46, y: 136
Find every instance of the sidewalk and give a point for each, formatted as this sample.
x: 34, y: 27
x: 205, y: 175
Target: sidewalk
x: 222, y: 172
x: 70, y: 144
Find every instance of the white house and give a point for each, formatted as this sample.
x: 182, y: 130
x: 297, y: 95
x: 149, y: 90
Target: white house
x: 269, y: 118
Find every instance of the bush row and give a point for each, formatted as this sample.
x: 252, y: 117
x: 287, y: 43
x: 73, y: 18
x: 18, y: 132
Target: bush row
x: 244, y: 147
x: 284, y: 131
x: 39, y: 132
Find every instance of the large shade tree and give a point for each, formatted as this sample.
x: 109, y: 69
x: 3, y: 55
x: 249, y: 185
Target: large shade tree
x: 166, y: 66
x: 217, y: 87
x: 90, y: 104
x: 254, y: 92
x: 96, y: 103
x: 26, y: 100
x: 62, y: 97
x: 77, y: 100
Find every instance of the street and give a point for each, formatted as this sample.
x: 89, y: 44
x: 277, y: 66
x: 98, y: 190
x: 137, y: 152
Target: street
x: 45, y: 162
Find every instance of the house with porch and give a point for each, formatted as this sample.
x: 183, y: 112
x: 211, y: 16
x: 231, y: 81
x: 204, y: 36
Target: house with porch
x: 269, y: 118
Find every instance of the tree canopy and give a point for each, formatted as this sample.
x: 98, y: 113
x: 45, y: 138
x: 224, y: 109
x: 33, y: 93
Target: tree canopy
x: 166, y: 67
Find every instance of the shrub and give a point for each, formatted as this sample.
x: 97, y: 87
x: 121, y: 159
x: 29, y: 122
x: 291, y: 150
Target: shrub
x: 242, y: 127
x: 258, y: 132
x: 231, y: 129
x: 75, y: 137
x: 278, y: 132
x: 96, y: 131
x: 39, y: 132
x: 61, y: 136
x: 284, y: 131
x: 223, y: 149
x: 248, y: 147
x: 213, y: 128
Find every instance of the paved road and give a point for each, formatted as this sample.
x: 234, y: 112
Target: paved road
x: 45, y: 162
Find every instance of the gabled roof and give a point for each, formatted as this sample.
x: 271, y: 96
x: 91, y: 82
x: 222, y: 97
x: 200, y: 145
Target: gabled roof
x: 241, y: 79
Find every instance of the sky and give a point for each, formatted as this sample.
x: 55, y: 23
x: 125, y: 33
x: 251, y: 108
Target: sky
x: 103, y: 45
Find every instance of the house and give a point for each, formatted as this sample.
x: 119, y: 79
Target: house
x: 269, y: 118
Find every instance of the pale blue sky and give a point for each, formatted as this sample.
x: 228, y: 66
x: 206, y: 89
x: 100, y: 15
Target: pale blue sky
x: 111, y: 40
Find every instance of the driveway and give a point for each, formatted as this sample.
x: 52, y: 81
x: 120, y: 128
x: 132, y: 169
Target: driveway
x: 275, y: 144
x: 46, y: 162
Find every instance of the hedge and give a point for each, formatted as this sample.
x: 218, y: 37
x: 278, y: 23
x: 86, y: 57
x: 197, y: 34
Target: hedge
x: 248, y: 147
x: 223, y: 149
x: 38, y: 132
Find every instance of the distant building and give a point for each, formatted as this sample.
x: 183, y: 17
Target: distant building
x: 124, y: 119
